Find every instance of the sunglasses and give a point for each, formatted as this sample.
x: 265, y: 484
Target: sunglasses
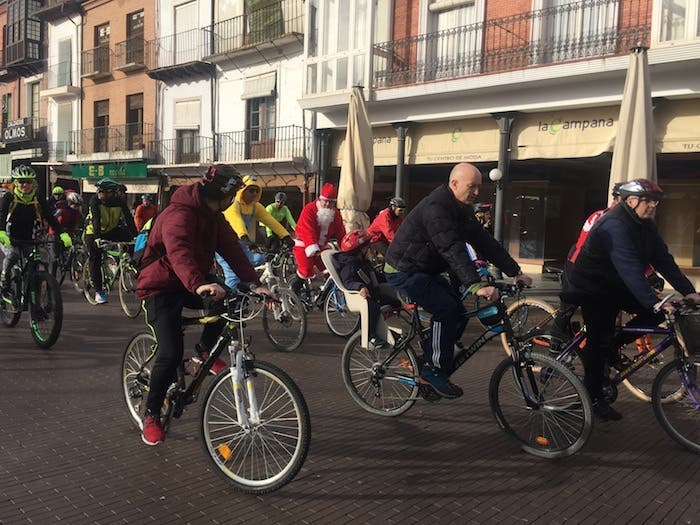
x: 20, y: 182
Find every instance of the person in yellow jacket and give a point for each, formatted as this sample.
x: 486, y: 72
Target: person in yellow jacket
x: 243, y: 216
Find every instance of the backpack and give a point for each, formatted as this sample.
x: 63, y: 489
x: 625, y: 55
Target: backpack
x: 140, y: 243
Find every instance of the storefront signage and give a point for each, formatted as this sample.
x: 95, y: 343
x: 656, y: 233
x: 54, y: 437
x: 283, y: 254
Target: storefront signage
x: 556, y: 124
x: 114, y: 171
x: 17, y: 131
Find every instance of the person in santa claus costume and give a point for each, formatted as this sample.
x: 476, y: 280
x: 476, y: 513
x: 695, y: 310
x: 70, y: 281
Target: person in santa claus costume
x: 319, y: 222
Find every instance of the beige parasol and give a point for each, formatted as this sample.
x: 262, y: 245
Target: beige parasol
x: 357, y: 172
x: 634, y: 155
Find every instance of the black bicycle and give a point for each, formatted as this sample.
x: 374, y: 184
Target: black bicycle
x: 255, y: 425
x: 32, y: 288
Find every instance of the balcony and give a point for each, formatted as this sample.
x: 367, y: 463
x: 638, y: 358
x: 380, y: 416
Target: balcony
x: 278, y: 144
x: 179, y: 56
x: 269, y: 27
x: 61, y: 82
x: 55, y: 9
x: 576, y: 31
x: 120, y: 142
x: 58, y: 151
x: 129, y: 55
x: 97, y: 63
x: 186, y: 150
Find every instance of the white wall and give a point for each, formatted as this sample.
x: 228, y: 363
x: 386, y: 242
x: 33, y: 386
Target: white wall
x: 165, y: 19
x: 186, y: 91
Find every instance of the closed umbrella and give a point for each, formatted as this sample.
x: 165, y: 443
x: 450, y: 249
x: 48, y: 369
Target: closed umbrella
x: 357, y: 172
x: 634, y: 155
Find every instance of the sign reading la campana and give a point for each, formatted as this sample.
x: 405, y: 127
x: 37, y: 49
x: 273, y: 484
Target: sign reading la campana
x: 133, y: 170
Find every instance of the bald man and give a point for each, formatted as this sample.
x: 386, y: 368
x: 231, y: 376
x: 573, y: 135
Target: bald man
x: 430, y: 241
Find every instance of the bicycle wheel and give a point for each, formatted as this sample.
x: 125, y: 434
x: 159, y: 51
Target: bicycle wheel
x: 288, y: 267
x: 285, y: 323
x: 11, y: 311
x: 45, y: 309
x: 558, y: 420
x: 264, y: 455
x: 78, y: 262
x: 383, y: 389
x: 341, y: 321
x: 130, y: 302
x: 87, y: 287
x: 137, y: 363
x: 676, y: 401
x: 525, y: 314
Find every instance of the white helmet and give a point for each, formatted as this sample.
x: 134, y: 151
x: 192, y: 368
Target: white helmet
x: 74, y: 198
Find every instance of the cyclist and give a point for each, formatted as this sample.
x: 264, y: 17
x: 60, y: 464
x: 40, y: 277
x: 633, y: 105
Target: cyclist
x: 58, y: 197
x: 431, y: 241
x: 243, y: 216
x: 179, y: 255
x: 21, y: 218
x: 386, y: 223
x: 105, y: 212
x: 68, y: 215
x: 319, y: 222
x: 482, y: 211
x: 144, y: 211
x: 609, y: 276
x: 280, y: 212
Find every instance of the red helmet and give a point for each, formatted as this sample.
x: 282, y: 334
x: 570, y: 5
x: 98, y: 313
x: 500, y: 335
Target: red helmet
x: 221, y: 179
x: 354, y: 240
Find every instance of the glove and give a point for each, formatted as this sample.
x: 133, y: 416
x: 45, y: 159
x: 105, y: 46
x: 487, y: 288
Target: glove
x: 288, y: 241
x: 4, y: 238
x: 66, y: 240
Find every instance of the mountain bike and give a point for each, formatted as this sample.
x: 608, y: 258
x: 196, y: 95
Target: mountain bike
x: 254, y: 425
x: 537, y: 401
x: 71, y: 262
x: 33, y: 289
x: 117, y: 270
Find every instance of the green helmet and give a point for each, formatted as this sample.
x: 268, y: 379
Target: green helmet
x: 106, y: 184
x: 23, y: 172
x: 57, y: 190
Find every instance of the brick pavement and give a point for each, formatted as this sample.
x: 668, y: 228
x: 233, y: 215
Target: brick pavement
x: 69, y: 454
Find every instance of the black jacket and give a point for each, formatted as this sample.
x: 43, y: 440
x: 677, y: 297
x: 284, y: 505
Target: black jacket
x: 21, y: 221
x: 431, y: 240
x: 612, y: 262
x: 355, y: 272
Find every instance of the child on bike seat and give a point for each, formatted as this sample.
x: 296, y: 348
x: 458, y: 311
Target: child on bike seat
x: 356, y: 273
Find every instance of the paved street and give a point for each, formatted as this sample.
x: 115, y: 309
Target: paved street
x: 68, y: 452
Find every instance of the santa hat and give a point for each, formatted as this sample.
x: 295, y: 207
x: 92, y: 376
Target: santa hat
x: 329, y: 192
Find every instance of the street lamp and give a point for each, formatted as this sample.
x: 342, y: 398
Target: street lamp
x: 496, y: 175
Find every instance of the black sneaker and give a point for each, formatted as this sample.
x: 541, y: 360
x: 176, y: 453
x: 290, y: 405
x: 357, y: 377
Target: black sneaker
x: 619, y: 361
x: 603, y: 411
x: 439, y: 383
x: 377, y: 344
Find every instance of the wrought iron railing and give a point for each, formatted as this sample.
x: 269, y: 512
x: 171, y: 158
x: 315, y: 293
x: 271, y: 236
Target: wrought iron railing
x: 130, y: 51
x: 96, y: 61
x: 58, y: 150
x: 279, y: 143
x: 580, y: 30
x: 180, y: 48
x: 261, y: 25
x: 39, y: 125
x: 187, y: 149
x: 124, y: 137
x: 63, y: 74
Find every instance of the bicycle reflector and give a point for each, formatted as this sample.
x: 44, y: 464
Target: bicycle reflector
x: 489, y: 317
x: 224, y: 451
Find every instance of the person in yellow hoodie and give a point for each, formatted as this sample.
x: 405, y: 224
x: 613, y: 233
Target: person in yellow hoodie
x: 243, y: 216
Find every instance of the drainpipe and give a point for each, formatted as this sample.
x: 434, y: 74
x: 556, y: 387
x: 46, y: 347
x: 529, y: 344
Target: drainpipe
x: 212, y: 82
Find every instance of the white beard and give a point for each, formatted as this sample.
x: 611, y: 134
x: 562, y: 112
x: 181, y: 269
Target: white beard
x: 324, y: 217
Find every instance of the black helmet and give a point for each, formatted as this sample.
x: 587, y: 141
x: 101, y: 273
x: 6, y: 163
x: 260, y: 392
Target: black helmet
x: 397, y: 202
x: 281, y: 196
x: 641, y: 188
x: 220, y: 180
x: 616, y: 189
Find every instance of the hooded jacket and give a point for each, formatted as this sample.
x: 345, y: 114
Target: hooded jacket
x: 181, y: 246
x: 22, y: 216
x: 244, y: 218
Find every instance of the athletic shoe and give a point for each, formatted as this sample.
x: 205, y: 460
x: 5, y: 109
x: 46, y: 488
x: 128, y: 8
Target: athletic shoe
x: 153, y: 432
x: 377, y: 344
x: 437, y: 381
x: 100, y: 297
x: 603, y: 411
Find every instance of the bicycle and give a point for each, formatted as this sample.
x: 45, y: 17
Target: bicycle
x: 117, y: 269
x: 32, y: 288
x: 536, y: 401
x: 71, y: 262
x: 340, y: 320
x: 254, y: 424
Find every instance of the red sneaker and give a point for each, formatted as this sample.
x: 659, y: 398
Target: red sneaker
x: 153, y: 432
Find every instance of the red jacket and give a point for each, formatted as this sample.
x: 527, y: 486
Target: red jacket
x: 384, y: 226
x: 143, y: 214
x: 181, y: 246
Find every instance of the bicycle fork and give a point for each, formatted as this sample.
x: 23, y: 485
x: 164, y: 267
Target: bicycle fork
x: 242, y: 378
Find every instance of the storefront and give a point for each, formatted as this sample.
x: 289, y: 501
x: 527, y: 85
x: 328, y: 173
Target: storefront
x: 133, y: 175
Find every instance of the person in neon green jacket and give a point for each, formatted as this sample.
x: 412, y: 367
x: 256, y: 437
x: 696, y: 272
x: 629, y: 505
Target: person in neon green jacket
x: 280, y: 211
x: 243, y: 216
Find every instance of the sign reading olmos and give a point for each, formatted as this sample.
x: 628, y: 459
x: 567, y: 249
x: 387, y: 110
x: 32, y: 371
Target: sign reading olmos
x: 131, y: 170
x: 19, y: 130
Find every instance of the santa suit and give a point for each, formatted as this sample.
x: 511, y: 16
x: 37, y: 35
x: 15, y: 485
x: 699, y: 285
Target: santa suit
x: 313, y: 235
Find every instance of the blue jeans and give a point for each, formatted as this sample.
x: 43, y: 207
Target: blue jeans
x: 230, y: 276
x: 435, y: 295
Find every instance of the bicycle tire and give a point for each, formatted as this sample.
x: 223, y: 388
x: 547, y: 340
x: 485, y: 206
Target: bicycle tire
x: 340, y: 321
x: 382, y: 391
x: 680, y: 418
x: 131, y: 304
x: 87, y: 287
x: 524, y: 314
x: 288, y: 268
x: 78, y: 262
x: 558, y: 426
x: 137, y: 362
x: 45, y: 309
x: 242, y: 456
x: 10, y: 313
x: 284, y: 323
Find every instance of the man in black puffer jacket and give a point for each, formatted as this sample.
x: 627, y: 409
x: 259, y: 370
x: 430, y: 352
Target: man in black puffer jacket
x: 431, y: 241
x: 608, y: 275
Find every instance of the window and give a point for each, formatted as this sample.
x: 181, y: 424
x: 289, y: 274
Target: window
x: 261, y: 128
x: 101, y: 126
x: 33, y: 105
x: 677, y: 20
x: 134, y: 121
x: 187, y: 122
x: 134, y: 38
x: 187, y: 48
x: 64, y: 125
x: 7, y: 109
x: 63, y: 68
x: 101, y: 48
x: 23, y: 36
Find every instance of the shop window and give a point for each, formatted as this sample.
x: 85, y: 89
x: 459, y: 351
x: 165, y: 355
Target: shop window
x: 678, y: 220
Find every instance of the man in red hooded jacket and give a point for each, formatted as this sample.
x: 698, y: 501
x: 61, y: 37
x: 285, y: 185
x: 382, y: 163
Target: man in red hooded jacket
x: 174, y: 275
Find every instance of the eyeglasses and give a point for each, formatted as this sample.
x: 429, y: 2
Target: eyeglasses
x: 20, y: 182
x: 649, y: 200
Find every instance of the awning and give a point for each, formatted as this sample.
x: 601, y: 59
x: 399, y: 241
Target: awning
x: 131, y: 186
x: 678, y: 126
x: 261, y: 86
